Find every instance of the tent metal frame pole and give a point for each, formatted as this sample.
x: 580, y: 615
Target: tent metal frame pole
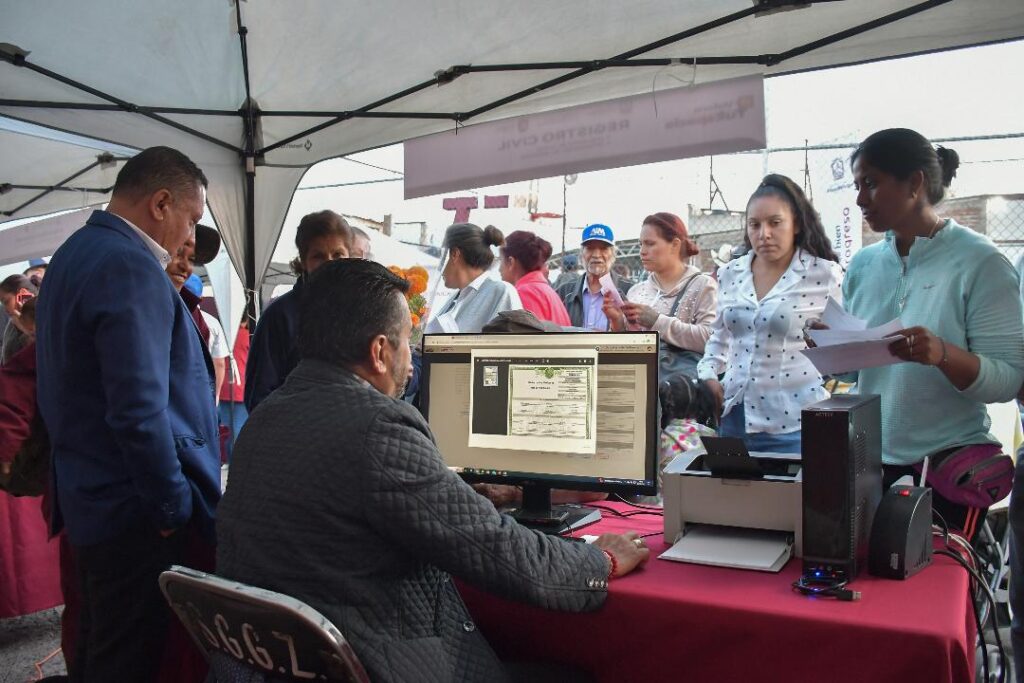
x: 102, y: 160
x: 861, y: 28
x: 57, y: 188
x: 348, y: 115
x: 364, y: 114
x: 18, y: 59
x: 250, y: 116
x: 580, y: 68
x: 96, y: 106
x: 446, y: 76
x: 674, y: 38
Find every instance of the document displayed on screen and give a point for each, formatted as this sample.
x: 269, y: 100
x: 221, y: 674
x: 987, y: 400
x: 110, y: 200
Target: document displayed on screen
x: 533, y: 399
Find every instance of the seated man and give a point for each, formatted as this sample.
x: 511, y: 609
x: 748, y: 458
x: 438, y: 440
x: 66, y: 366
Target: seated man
x: 339, y: 497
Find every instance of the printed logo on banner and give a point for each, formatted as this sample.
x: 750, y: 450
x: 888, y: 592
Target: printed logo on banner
x: 838, y: 169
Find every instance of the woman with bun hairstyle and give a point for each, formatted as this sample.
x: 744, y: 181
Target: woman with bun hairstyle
x: 765, y: 297
x: 956, y: 296
x: 480, y: 297
x: 677, y: 300
x: 523, y: 260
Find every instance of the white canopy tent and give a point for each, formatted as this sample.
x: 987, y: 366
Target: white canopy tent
x: 309, y: 80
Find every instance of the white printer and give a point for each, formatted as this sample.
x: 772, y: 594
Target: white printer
x: 733, y: 509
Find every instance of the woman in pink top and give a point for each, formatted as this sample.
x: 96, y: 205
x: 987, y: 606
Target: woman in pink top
x: 522, y: 264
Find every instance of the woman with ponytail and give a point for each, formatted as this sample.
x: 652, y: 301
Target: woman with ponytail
x: 956, y: 295
x: 765, y: 298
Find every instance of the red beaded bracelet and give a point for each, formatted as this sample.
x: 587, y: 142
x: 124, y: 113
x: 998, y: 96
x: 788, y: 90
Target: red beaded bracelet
x: 612, y: 563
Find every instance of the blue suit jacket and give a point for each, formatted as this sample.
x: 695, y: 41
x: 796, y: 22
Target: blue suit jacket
x: 125, y: 389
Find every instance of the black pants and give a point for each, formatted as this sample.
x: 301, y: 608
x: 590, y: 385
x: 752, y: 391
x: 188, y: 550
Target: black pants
x: 124, y: 618
x: 959, y: 518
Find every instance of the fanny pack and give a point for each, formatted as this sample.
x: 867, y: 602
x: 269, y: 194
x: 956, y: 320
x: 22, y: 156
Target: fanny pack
x: 978, y: 475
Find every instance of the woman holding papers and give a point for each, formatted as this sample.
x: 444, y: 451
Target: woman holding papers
x: 765, y: 299
x: 956, y: 297
x: 677, y: 300
x: 480, y: 297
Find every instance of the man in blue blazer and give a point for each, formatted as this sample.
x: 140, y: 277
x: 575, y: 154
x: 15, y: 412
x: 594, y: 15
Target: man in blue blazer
x: 126, y: 391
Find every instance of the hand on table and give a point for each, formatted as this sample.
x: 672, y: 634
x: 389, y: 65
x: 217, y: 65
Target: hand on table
x: 499, y: 494
x: 628, y: 549
x: 5, y: 468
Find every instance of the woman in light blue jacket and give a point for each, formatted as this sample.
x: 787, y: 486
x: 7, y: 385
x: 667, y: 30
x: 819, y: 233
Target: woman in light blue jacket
x: 955, y: 294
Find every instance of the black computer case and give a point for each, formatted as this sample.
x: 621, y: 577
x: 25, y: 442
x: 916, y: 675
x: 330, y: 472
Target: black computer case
x: 841, y: 449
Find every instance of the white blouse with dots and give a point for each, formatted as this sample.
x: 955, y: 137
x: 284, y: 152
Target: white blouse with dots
x: 757, y: 343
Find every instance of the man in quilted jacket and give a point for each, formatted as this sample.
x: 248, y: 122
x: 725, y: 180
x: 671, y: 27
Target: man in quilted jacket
x: 339, y: 497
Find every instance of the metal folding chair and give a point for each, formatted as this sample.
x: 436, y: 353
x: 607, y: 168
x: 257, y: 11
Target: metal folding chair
x: 251, y: 635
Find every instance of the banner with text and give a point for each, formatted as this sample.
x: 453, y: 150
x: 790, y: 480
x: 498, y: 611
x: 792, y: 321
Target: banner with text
x: 716, y: 118
x: 836, y: 201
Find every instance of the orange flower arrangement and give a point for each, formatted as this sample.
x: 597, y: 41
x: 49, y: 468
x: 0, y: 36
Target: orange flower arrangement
x: 417, y: 278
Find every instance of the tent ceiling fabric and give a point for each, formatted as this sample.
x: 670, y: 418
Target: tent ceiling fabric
x: 51, y: 162
x: 329, y: 56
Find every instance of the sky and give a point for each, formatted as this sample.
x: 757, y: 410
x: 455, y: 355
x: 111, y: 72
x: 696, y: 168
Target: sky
x: 954, y: 94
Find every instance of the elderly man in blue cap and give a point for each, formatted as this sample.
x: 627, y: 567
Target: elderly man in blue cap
x: 582, y: 296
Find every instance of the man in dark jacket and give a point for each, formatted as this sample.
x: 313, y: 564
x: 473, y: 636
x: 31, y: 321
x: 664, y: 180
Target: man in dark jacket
x: 582, y: 295
x: 339, y: 497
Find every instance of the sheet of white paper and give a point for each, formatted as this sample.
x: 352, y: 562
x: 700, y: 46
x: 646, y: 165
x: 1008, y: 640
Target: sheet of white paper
x: 765, y: 551
x: 542, y: 399
x: 608, y: 285
x: 834, y: 337
x: 839, y: 358
x: 836, y: 317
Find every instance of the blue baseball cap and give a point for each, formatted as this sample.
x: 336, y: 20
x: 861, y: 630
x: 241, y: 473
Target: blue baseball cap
x: 194, y: 284
x: 599, y: 233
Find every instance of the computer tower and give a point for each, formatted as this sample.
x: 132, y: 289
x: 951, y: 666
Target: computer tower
x: 841, y: 450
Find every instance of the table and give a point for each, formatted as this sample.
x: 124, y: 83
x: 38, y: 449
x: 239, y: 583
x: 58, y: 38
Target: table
x: 681, y: 622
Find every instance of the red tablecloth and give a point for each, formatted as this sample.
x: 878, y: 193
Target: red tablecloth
x: 681, y: 622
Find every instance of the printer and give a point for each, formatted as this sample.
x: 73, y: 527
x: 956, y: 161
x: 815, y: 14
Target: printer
x: 730, y: 508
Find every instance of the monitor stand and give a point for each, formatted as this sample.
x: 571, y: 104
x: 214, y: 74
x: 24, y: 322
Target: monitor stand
x: 538, y: 513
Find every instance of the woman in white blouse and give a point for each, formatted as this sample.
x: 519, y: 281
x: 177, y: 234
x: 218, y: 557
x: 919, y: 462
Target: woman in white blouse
x: 765, y: 299
x: 677, y: 300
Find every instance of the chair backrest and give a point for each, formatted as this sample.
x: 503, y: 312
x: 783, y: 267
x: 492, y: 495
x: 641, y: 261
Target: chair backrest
x: 258, y: 630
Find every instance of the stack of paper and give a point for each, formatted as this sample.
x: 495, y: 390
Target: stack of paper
x: 723, y: 546
x: 849, y: 344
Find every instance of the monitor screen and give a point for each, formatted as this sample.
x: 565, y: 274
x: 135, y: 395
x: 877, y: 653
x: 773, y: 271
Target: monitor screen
x: 555, y: 410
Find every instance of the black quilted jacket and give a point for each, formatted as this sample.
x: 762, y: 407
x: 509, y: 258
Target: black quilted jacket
x: 339, y: 497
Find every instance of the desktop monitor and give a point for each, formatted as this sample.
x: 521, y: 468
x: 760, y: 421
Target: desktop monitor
x: 558, y: 410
